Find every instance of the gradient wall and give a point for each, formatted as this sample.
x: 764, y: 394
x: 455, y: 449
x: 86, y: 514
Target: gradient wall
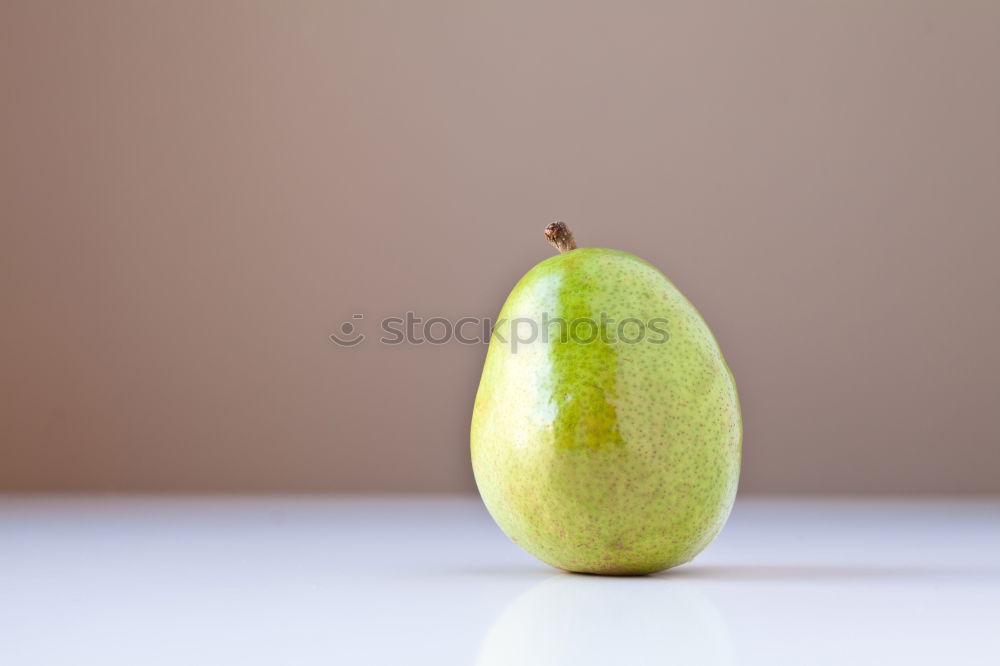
x: 194, y: 195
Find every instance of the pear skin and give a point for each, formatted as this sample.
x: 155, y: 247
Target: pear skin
x: 608, y: 441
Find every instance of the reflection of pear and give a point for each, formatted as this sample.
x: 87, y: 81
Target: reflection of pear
x: 583, y: 620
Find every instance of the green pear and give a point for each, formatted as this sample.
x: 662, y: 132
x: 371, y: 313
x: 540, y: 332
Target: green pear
x: 606, y: 434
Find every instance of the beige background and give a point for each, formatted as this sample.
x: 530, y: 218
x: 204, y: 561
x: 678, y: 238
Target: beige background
x: 193, y: 195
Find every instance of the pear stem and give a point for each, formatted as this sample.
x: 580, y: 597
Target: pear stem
x: 560, y: 237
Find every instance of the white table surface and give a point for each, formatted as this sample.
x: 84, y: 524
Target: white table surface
x: 314, y: 580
